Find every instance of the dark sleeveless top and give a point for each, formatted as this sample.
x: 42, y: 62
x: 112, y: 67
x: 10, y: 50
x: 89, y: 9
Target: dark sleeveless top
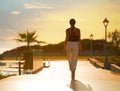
x: 73, y: 37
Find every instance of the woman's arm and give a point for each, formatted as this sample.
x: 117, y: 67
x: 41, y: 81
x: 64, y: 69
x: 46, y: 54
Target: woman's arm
x: 79, y: 40
x: 66, y: 40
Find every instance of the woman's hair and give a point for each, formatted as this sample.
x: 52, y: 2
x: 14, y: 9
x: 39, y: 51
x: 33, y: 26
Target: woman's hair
x: 72, y: 21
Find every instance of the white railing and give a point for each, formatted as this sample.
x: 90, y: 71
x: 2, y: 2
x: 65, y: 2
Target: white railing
x: 11, y: 66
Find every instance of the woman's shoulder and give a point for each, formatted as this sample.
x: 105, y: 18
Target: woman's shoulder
x: 77, y: 28
x: 68, y: 29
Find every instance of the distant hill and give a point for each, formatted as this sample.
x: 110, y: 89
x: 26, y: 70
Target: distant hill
x: 56, y: 49
x: 50, y: 49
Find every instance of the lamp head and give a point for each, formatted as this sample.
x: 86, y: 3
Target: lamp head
x: 105, y: 22
x: 91, y: 36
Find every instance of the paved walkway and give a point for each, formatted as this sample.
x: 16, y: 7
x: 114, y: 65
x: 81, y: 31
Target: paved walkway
x: 57, y: 78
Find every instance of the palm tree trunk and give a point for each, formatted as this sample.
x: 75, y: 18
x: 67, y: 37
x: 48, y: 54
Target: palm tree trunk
x: 28, y: 45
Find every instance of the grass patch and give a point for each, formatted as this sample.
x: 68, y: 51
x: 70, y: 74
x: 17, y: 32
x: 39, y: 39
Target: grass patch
x: 2, y: 77
x: 47, y: 57
x: 5, y: 76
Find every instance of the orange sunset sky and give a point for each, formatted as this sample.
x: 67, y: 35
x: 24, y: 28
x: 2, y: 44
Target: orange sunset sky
x: 50, y: 18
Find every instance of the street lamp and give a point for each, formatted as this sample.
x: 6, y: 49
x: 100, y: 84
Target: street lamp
x: 106, y: 65
x: 91, y: 48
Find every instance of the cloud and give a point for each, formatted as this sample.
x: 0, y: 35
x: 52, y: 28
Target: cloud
x: 37, y: 6
x: 9, y: 30
x: 15, y: 12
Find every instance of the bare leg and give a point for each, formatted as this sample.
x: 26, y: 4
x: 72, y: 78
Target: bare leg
x: 73, y: 74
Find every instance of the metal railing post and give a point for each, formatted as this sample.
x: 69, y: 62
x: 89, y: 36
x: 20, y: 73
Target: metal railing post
x: 19, y: 63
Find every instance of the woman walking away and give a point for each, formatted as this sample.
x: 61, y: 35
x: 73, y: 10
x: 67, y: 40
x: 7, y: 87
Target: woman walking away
x: 72, y: 46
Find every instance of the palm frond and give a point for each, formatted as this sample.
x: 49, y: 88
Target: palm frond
x: 22, y: 35
x: 19, y: 40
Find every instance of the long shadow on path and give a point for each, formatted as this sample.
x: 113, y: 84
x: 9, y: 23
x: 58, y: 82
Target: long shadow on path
x: 76, y: 85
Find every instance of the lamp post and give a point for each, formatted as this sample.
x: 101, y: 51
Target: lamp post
x: 91, y: 45
x: 106, y: 65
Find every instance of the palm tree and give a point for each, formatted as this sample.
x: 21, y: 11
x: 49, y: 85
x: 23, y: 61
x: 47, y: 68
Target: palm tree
x: 28, y: 37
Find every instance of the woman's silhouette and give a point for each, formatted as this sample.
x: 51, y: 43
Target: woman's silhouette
x: 72, y: 46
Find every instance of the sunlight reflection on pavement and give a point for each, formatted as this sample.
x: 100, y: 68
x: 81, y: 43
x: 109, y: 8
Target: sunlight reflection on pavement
x: 57, y: 78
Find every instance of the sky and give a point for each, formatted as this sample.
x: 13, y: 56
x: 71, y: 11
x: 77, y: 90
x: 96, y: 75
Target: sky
x: 50, y: 19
